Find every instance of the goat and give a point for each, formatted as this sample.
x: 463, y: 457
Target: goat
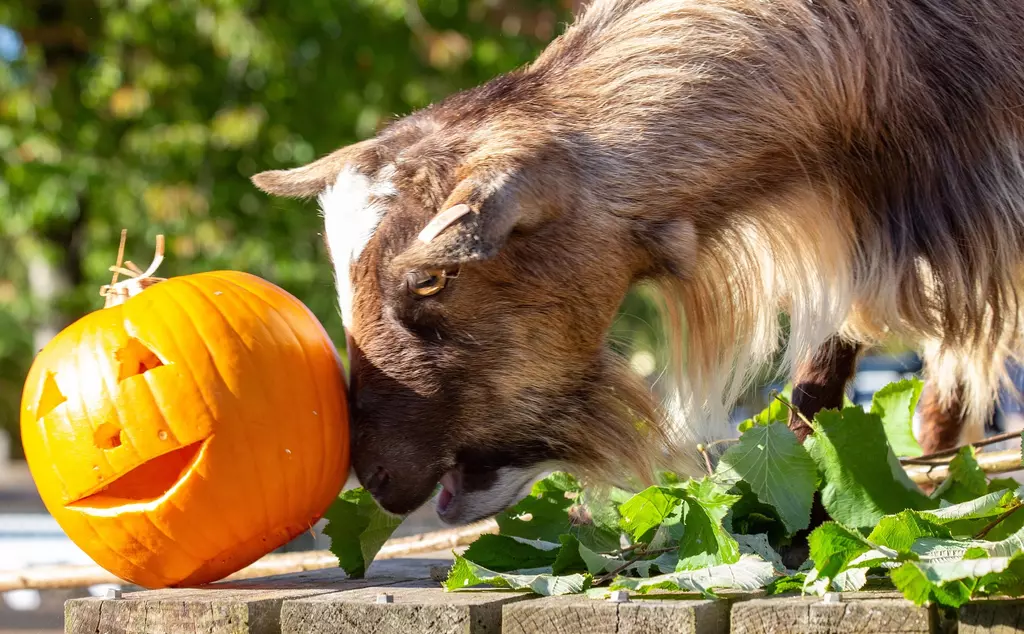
x: 855, y: 164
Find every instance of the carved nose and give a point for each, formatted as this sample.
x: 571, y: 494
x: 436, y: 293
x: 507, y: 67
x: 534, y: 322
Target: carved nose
x: 377, y: 482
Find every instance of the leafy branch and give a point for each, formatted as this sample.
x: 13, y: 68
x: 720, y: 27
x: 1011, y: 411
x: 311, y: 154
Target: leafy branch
x: 726, y: 529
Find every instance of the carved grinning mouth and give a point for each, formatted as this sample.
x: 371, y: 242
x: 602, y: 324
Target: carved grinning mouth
x: 146, y: 483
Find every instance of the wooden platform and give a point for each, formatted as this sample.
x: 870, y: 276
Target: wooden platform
x: 404, y: 596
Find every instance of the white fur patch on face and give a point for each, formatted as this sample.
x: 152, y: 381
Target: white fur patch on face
x: 511, y: 484
x: 352, y: 209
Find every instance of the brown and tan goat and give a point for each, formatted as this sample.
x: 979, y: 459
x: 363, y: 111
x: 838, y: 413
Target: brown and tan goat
x: 858, y: 164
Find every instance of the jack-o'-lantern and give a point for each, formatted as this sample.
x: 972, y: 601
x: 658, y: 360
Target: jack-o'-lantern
x: 189, y: 427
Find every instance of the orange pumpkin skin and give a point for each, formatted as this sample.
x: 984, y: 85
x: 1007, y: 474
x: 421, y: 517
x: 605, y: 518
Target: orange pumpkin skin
x: 182, y: 435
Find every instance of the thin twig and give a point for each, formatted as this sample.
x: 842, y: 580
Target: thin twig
x: 990, y: 462
x: 988, y: 527
x: 793, y: 410
x: 627, y: 549
x: 720, y: 441
x: 707, y: 459
x: 1010, y: 435
x: 647, y: 553
x: 120, y: 255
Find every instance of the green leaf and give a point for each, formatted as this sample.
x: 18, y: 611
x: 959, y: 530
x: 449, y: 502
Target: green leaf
x: 568, y: 559
x: 984, y: 506
x: 705, y: 542
x: 759, y: 545
x: 895, y: 404
x: 779, y: 471
x: 503, y: 553
x: 900, y: 531
x: 597, y: 563
x: 649, y: 509
x: 850, y: 580
x: 939, y: 549
x: 1009, y: 525
x: 465, y: 574
x: 776, y: 412
x: 554, y: 508
x: 863, y: 479
x: 749, y: 573
x: 832, y: 548
x: 358, y: 527
x: 966, y: 480
x: 1009, y: 581
x: 1002, y: 484
x: 751, y: 516
x: 914, y: 583
x: 783, y: 585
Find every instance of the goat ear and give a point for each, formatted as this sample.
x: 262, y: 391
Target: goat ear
x: 311, y: 179
x: 473, y: 223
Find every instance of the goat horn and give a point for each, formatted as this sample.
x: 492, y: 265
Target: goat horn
x: 442, y: 221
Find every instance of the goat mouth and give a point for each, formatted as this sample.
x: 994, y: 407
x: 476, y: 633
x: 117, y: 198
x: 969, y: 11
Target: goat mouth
x: 469, y: 496
x: 449, y: 497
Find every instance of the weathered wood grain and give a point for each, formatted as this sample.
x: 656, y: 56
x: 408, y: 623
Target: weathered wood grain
x: 996, y: 616
x: 868, y: 613
x: 419, y: 607
x: 570, y: 615
x: 238, y: 607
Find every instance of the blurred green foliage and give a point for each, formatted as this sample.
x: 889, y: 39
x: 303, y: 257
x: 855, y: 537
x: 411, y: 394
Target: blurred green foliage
x: 151, y: 115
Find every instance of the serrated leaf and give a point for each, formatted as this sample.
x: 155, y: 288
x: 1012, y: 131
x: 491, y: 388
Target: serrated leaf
x: 1009, y: 525
x: 751, y: 516
x: 1009, y: 581
x: 832, y: 548
x: 863, y: 479
x: 759, y: 545
x: 568, y: 559
x: 776, y: 412
x: 937, y: 549
x: 649, y: 509
x: 358, y: 527
x: 778, y: 469
x: 552, y: 509
x: 984, y: 506
x: 465, y: 574
x: 900, y: 531
x: 895, y: 404
x: 503, y: 553
x: 597, y: 563
x: 749, y: 573
x: 966, y: 480
x: 704, y: 541
x: 783, y: 585
x: 850, y: 580
x: 913, y: 582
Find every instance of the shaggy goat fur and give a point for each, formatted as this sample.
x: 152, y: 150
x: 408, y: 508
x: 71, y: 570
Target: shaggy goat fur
x: 857, y: 164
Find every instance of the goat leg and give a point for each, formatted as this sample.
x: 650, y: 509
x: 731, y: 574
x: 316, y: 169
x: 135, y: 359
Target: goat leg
x: 820, y: 382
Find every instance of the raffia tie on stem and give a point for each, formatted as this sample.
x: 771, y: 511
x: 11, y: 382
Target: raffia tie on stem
x: 138, y: 280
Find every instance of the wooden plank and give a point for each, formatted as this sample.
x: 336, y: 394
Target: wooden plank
x: 867, y: 612
x: 998, y: 616
x: 417, y: 607
x: 251, y: 606
x: 640, y: 615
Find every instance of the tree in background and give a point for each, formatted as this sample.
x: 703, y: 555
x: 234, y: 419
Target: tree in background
x: 151, y: 116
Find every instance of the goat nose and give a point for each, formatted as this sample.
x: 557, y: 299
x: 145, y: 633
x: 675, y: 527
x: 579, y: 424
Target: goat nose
x: 377, y: 482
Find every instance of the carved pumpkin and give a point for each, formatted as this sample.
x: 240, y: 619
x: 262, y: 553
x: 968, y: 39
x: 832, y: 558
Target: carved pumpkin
x: 188, y: 428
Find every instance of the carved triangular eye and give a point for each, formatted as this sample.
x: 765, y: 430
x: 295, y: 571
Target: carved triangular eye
x: 49, y: 397
x: 135, y: 358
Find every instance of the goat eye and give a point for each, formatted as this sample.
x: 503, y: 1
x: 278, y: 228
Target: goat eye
x: 427, y: 283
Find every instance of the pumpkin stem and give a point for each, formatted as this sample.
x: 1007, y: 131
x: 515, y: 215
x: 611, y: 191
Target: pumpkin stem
x: 116, y: 292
